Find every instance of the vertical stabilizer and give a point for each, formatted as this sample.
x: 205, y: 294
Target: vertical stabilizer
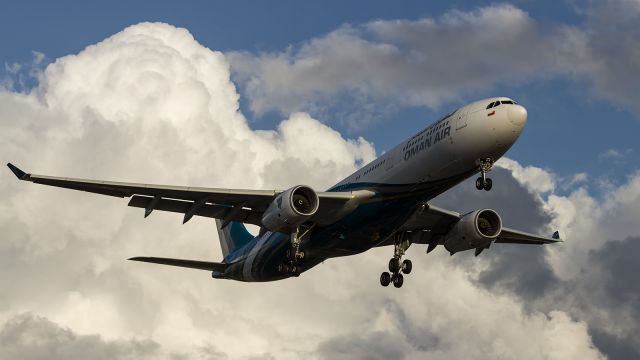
x: 232, y: 236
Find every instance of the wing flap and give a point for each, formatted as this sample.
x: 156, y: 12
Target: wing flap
x: 206, y: 210
x: 192, y: 264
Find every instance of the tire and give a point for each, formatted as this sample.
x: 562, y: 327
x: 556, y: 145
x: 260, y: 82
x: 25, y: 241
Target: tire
x: 385, y: 279
x: 394, y: 265
x: 479, y: 183
x: 488, y: 184
x: 398, y: 280
x: 407, y: 266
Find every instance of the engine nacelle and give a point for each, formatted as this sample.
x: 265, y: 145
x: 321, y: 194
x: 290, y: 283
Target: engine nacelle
x: 474, y: 229
x: 290, y: 209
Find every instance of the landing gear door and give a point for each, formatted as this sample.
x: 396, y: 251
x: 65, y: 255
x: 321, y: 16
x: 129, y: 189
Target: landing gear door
x: 461, y: 118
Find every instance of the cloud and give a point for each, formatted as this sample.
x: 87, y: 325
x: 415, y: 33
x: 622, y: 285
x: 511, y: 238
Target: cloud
x: 22, y: 77
x: 591, y: 275
x: 533, y: 178
x: 368, y: 69
x: 424, y: 62
x: 31, y: 337
x: 615, y: 156
x: 150, y: 104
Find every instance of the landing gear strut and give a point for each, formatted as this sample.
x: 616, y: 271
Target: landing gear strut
x: 483, y: 182
x: 396, y: 268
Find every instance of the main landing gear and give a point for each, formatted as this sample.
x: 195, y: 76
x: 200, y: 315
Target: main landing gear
x: 396, y: 268
x: 483, y: 182
x: 294, y: 255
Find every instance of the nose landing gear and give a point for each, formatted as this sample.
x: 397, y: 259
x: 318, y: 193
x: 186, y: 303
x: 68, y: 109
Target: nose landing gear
x: 396, y: 268
x: 483, y: 182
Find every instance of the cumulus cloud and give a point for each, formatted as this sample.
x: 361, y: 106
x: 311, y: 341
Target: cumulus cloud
x: 150, y: 104
x: 590, y: 276
x: 434, y: 60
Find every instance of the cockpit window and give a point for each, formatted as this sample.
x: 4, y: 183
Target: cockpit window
x: 507, y: 102
x: 490, y: 106
x: 496, y: 104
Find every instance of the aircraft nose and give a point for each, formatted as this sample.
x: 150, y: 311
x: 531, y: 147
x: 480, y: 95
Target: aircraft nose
x: 517, y: 115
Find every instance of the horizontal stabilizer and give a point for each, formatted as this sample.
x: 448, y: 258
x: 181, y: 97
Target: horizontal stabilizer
x: 193, y: 264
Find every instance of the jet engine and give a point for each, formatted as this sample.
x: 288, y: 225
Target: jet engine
x: 473, y: 230
x: 290, y: 209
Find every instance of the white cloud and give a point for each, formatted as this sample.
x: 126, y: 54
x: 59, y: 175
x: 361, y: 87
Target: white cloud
x: 385, y: 64
x: 148, y: 104
x: 534, y: 178
x: 424, y: 62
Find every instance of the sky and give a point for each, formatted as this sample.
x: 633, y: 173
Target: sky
x: 256, y: 94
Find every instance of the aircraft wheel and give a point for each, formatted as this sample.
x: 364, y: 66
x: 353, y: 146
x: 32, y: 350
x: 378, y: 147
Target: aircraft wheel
x: 407, y: 266
x: 479, y: 183
x: 488, y: 184
x: 398, y: 280
x: 394, y: 265
x: 385, y: 279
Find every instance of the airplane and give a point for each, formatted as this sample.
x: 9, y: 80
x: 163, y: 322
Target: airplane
x: 385, y: 203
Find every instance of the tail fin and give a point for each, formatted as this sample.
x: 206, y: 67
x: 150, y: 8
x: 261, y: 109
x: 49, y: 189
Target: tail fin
x: 232, y: 236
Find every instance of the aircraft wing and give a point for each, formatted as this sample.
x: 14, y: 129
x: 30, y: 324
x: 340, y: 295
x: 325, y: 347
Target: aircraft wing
x: 438, y: 222
x: 227, y: 204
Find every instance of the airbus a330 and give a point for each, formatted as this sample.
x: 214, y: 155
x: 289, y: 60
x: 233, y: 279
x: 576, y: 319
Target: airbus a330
x: 385, y: 203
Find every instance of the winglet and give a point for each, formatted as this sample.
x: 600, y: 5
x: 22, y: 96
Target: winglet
x: 19, y: 173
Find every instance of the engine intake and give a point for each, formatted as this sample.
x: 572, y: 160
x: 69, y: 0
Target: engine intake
x: 473, y: 230
x: 291, y: 208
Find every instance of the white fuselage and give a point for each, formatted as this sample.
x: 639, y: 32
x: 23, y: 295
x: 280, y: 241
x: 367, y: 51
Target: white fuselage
x: 451, y: 146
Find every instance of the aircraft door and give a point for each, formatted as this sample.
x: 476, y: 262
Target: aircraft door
x: 461, y: 118
x: 391, y: 160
